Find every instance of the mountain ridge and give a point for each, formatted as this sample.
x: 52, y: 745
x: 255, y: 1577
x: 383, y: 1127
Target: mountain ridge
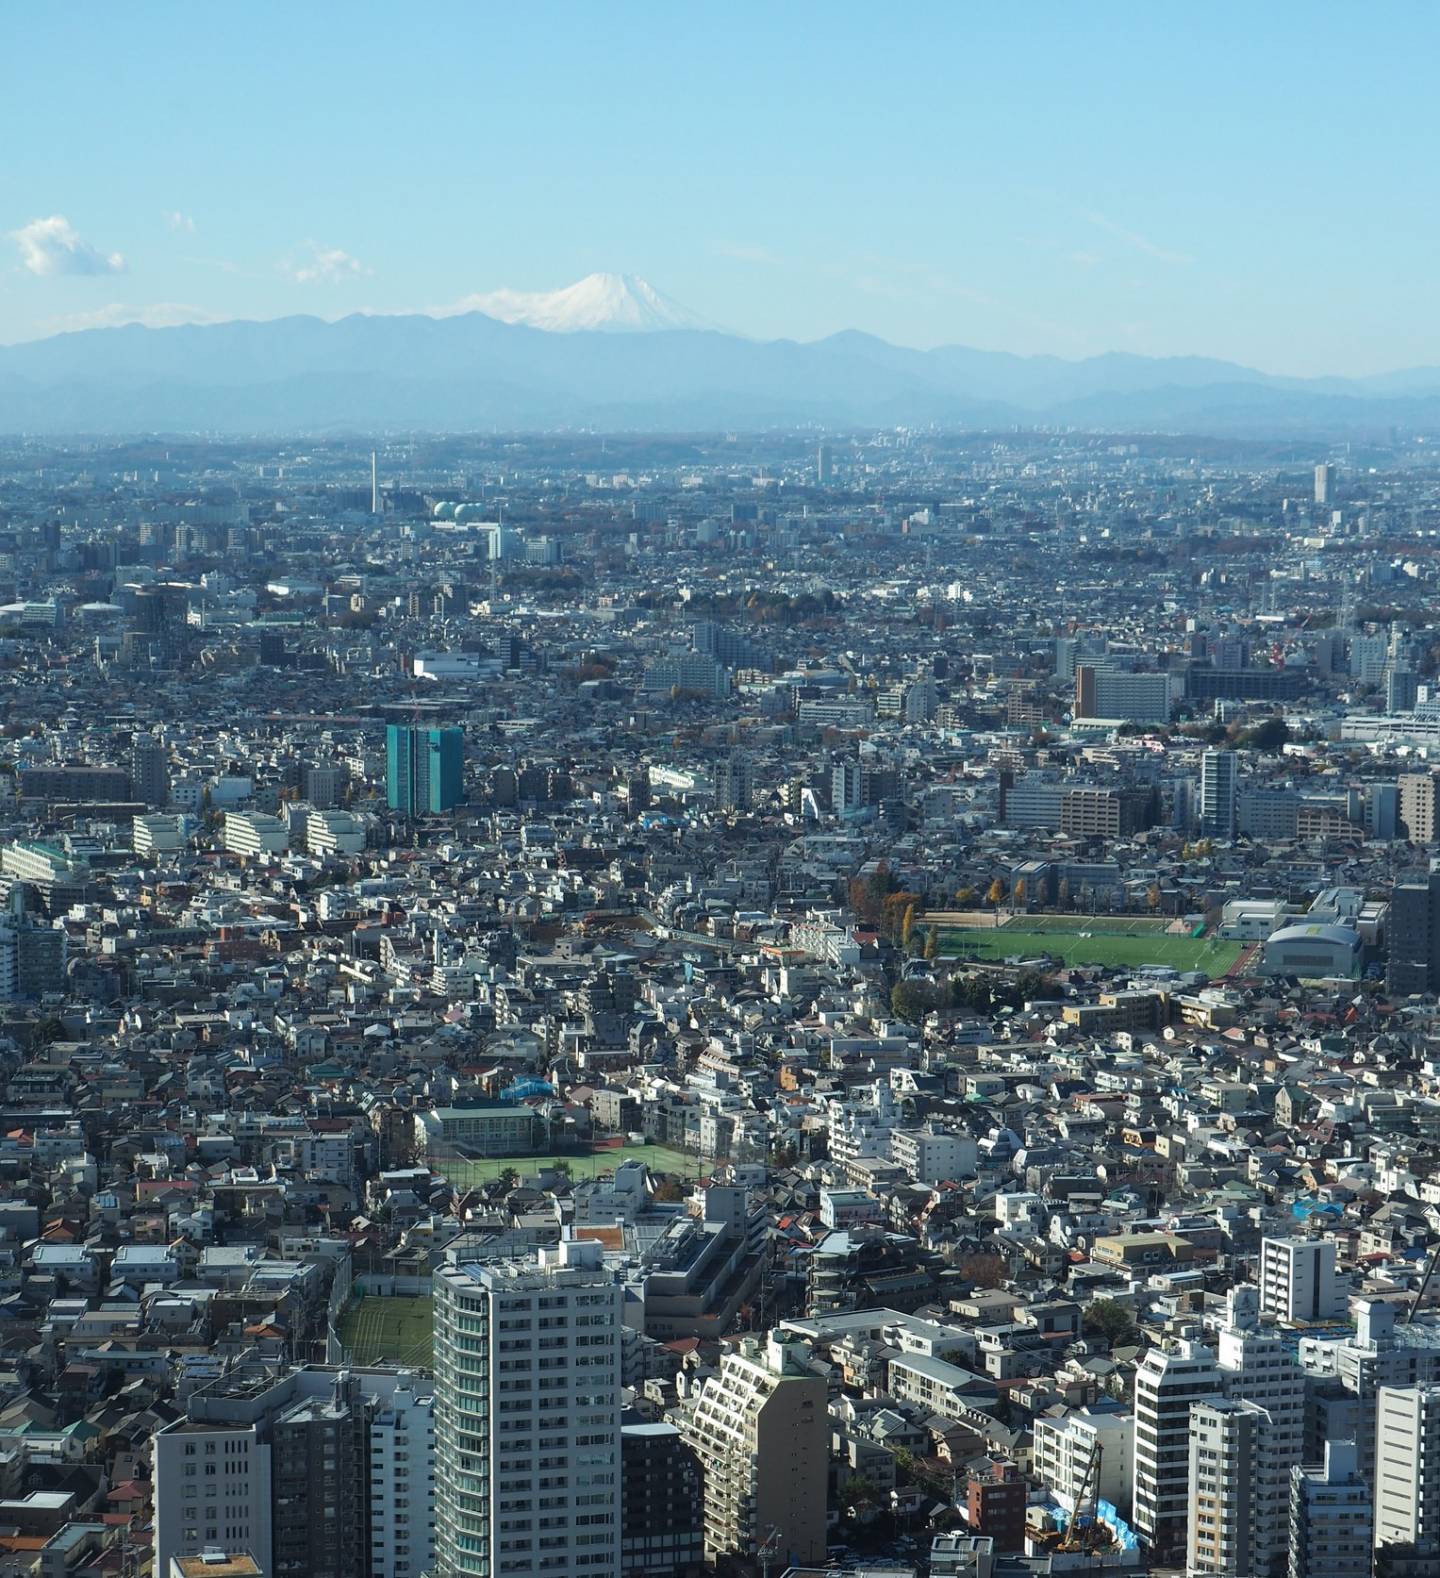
x: 303, y: 373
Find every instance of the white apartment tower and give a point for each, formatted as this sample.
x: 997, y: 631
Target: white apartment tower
x: 1256, y: 1367
x: 1227, y: 1442
x: 1332, y: 1517
x: 527, y: 1417
x: 761, y: 1430
x: 1298, y: 1282
x: 1168, y: 1381
x: 1217, y: 794
x: 1407, y: 1469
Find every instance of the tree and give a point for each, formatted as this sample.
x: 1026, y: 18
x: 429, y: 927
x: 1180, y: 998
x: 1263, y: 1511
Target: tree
x: 1152, y: 895
x: 912, y: 1000
x: 965, y: 897
x: 1267, y: 736
x: 509, y: 1179
x: 1019, y: 894
x: 1111, y: 1320
x: 995, y: 893
x: 932, y: 941
x: 907, y: 925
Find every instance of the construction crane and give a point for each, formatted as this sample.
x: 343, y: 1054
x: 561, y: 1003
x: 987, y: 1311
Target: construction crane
x: 1085, y: 1536
x: 1430, y: 1263
x: 766, y: 1551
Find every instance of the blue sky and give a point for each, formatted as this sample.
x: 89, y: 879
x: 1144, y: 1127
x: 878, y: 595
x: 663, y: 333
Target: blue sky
x: 1253, y: 182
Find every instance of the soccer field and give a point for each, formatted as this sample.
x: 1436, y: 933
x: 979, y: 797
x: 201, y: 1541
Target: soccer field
x: 658, y: 1158
x: 1213, y: 955
x: 388, y: 1331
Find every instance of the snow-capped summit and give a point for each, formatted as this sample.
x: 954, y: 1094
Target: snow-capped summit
x: 613, y: 303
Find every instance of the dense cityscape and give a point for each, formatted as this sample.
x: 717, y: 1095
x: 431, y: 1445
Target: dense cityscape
x: 636, y: 1006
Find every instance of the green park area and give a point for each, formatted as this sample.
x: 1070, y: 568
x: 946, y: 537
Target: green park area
x: 1095, y: 943
x: 388, y: 1331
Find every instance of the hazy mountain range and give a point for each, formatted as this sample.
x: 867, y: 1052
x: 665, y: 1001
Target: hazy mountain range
x: 612, y: 352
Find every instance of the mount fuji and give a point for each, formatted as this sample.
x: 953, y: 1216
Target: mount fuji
x: 604, y: 303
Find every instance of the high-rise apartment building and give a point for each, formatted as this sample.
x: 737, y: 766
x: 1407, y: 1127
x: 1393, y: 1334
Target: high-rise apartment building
x: 424, y: 769
x: 1227, y: 1442
x: 734, y: 782
x: 323, y: 1473
x: 149, y: 770
x: 1257, y: 1367
x: 1218, y: 778
x: 1419, y: 800
x: 1324, y: 483
x: 1414, y: 936
x: 1332, y: 1517
x: 662, y: 1504
x: 1253, y: 1366
x: 1168, y: 1380
x: 527, y: 1416
x: 1407, y: 1470
x: 760, y: 1430
x: 1298, y: 1281
x: 1119, y: 693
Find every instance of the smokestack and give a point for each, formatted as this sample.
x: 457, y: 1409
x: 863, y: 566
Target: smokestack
x: 374, y: 486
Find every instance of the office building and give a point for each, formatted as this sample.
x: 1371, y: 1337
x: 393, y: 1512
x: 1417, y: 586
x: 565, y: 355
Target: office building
x: 149, y: 770
x: 995, y: 1497
x: 662, y: 1504
x: 323, y: 1473
x: 1332, y: 1517
x: 760, y: 1428
x: 1298, y: 1281
x: 1217, y: 794
x: 527, y: 1416
x: 824, y: 464
x: 1324, y: 483
x: 323, y: 787
x: 1407, y: 1469
x: 82, y: 785
x: 424, y: 769
x: 1105, y: 813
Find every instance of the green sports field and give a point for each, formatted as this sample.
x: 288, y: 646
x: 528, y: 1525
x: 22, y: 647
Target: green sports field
x: 658, y: 1158
x: 1077, y: 946
x: 388, y: 1331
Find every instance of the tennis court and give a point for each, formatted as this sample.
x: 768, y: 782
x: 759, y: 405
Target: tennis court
x: 388, y: 1331
x: 467, y: 1174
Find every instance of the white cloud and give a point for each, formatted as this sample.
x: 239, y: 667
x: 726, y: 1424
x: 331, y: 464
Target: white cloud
x: 182, y: 222
x: 1133, y: 238
x: 52, y: 246
x: 325, y: 266
x: 157, y: 315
